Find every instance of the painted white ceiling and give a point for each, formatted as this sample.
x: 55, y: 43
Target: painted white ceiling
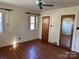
x: 30, y: 4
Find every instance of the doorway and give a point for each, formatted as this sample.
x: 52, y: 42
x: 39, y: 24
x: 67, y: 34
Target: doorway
x: 66, y: 31
x: 45, y: 28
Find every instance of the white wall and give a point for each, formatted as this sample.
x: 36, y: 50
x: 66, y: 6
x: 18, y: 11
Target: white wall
x: 16, y: 24
x: 55, y: 21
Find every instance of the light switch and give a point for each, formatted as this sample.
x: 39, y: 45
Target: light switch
x: 51, y: 25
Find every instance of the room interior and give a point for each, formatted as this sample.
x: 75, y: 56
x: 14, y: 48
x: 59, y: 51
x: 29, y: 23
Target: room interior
x: 39, y: 29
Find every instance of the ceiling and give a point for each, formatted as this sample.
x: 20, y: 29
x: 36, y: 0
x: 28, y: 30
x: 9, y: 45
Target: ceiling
x: 30, y: 4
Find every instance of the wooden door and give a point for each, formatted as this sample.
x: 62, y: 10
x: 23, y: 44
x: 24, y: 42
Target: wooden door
x: 66, y: 33
x: 45, y: 28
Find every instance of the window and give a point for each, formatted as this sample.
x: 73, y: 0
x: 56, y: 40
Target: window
x: 1, y: 28
x: 33, y: 23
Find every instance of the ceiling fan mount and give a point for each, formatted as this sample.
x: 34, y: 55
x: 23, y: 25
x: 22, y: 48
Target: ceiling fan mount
x: 41, y: 5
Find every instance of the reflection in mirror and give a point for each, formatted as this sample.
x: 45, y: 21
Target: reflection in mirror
x: 67, y: 25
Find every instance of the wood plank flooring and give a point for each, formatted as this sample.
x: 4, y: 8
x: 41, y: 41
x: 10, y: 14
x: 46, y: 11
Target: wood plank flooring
x: 36, y: 49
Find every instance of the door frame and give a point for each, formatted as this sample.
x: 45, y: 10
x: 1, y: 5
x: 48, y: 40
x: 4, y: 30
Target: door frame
x: 48, y: 26
x: 67, y: 16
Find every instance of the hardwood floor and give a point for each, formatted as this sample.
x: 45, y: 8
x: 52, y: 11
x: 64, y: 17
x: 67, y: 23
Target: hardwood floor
x: 36, y: 49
